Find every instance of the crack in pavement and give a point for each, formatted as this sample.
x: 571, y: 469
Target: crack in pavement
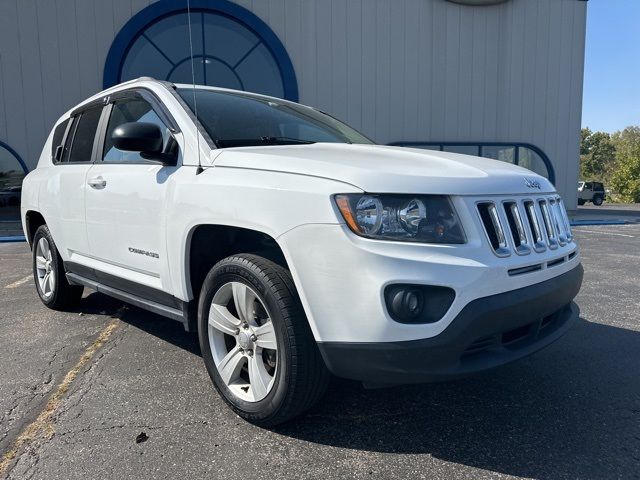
x: 42, y: 426
x: 37, y: 392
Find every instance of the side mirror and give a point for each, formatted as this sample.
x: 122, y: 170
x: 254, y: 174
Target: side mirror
x: 138, y: 137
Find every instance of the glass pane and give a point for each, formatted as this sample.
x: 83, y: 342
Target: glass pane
x: 144, y: 59
x: 260, y: 73
x: 11, y: 175
x: 226, y: 54
x: 504, y: 154
x: 227, y: 40
x: 126, y: 111
x: 58, y: 136
x: 532, y: 161
x: 236, y: 119
x: 85, y: 133
x: 465, y: 149
x: 171, y: 36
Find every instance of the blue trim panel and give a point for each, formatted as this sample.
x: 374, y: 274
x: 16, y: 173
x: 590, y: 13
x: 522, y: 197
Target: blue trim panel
x: 15, y: 154
x: 164, y: 8
x: 537, y: 150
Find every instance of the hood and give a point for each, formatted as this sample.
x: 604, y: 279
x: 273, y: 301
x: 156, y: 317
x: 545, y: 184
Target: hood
x: 382, y: 169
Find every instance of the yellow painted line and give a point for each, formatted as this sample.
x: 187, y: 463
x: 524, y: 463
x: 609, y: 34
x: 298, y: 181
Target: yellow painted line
x: 17, y: 283
x: 42, y: 427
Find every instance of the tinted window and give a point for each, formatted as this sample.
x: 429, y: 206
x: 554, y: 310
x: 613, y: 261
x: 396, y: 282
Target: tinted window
x: 82, y: 147
x: 498, y: 152
x: 11, y: 175
x: 58, y: 136
x: 126, y: 111
x: 236, y: 120
x: 598, y: 186
x: 465, y: 149
x: 588, y: 186
x: 522, y: 156
x: 529, y: 159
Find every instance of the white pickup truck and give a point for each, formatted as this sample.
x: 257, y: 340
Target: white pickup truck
x: 293, y: 245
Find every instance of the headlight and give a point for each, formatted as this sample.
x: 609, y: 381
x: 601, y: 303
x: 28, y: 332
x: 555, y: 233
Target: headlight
x: 409, y: 218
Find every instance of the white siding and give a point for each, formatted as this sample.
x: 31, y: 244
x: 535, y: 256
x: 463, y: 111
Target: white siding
x: 425, y: 70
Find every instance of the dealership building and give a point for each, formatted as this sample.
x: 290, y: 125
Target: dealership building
x: 496, y: 78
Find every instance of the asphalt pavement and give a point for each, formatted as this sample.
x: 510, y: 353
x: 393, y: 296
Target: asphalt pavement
x: 78, y: 388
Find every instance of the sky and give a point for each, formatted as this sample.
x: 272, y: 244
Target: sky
x: 611, y: 98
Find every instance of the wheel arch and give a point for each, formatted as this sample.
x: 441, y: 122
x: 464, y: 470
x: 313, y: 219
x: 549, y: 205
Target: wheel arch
x: 33, y: 220
x: 208, y: 243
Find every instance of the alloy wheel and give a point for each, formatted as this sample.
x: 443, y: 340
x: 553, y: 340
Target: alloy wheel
x: 243, y: 341
x: 44, y: 268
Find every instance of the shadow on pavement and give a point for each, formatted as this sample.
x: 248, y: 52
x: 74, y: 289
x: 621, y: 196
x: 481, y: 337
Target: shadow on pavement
x: 164, y: 328
x: 572, y: 410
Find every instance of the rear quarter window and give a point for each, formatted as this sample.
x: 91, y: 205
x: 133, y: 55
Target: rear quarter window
x: 58, y: 138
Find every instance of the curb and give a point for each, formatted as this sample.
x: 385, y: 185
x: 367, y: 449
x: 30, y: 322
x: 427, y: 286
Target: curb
x: 16, y: 238
x: 579, y: 223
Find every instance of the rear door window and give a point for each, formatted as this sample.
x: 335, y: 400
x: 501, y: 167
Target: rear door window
x: 84, y: 136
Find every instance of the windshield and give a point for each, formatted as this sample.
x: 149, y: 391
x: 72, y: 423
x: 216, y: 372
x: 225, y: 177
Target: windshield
x: 238, y: 120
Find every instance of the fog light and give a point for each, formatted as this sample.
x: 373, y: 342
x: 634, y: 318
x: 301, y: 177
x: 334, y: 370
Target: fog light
x: 407, y: 303
x: 418, y: 303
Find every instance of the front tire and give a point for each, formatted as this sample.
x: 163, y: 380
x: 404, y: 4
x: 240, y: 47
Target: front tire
x: 597, y: 201
x: 256, y: 342
x: 48, y: 272
x: 581, y: 201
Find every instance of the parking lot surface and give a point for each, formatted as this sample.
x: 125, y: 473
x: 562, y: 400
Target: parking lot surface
x: 77, y: 388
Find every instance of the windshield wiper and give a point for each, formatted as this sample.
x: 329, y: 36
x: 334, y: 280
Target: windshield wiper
x: 256, y: 142
x: 269, y: 139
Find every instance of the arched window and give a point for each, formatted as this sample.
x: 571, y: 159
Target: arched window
x: 232, y: 48
x: 12, y: 171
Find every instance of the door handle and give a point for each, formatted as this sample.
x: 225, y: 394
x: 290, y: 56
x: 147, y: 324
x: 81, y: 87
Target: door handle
x: 97, y: 182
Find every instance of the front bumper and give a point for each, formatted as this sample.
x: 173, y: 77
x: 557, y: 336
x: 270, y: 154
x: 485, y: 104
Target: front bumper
x: 486, y: 333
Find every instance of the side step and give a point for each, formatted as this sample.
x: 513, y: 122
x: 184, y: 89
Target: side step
x: 154, y: 307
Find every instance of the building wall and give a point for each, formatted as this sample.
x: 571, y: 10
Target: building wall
x: 398, y: 70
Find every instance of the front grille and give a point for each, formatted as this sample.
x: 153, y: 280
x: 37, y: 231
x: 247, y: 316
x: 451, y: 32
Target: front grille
x: 523, y: 226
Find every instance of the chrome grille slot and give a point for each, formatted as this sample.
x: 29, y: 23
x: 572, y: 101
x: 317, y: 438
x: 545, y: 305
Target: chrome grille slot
x: 552, y: 239
x: 534, y: 226
x: 516, y: 227
x: 565, y: 219
x: 556, y: 218
x: 493, y: 228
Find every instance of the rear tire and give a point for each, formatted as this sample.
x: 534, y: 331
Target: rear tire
x: 49, y: 275
x: 598, y: 200
x: 256, y: 342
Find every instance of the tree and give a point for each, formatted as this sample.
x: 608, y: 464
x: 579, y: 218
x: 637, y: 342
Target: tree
x: 625, y: 178
x: 585, y: 133
x: 597, y: 154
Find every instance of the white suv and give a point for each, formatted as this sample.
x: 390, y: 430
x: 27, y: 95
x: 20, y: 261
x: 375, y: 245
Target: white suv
x: 293, y: 245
